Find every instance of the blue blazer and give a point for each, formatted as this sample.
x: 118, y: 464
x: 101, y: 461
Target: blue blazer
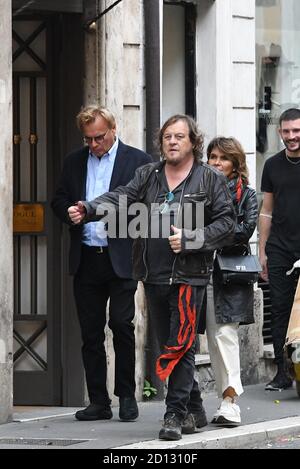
x: 72, y: 187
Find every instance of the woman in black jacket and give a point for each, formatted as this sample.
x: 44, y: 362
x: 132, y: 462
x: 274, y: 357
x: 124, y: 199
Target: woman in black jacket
x: 230, y: 305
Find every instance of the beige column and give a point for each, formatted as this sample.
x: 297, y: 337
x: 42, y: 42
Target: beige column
x: 122, y: 90
x: 6, y: 252
x: 226, y: 72
x: 115, y: 79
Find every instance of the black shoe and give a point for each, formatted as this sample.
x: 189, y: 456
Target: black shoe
x: 94, y: 412
x: 194, y: 420
x: 280, y: 382
x: 171, y: 429
x: 188, y: 425
x: 200, y: 418
x: 129, y: 411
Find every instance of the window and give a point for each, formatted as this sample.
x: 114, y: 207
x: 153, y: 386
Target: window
x: 278, y: 71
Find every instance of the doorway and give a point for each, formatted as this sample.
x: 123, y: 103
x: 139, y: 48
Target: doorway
x: 47, y: 53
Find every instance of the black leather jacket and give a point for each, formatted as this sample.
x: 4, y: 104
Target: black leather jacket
x: 193, y: 265
x: 234, y: 303
x: 246, y: 216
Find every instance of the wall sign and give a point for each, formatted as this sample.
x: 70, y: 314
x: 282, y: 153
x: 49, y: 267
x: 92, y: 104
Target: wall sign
x: 28, y: 218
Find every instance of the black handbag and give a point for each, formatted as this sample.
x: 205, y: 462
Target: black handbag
x: 238, y: 270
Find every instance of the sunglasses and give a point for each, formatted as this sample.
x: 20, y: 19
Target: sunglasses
x: 164, y: 207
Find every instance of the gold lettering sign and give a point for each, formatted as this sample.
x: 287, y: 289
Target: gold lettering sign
x: 28, y: 218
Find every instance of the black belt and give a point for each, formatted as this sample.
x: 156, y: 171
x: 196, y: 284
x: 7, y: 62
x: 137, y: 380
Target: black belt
x: 97, y: 249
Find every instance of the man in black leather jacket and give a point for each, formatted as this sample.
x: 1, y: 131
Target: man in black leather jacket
x: 175, y: 268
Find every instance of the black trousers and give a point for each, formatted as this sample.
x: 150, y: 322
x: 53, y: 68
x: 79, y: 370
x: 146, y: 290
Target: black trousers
x: 95, y: 283
x: 282, y: 291
x: 183, y: 391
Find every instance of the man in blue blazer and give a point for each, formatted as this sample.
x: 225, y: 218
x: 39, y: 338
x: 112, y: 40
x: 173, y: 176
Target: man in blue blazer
x: 102, y: 266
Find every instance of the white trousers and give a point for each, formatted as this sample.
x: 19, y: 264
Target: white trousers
x: 224, y: 350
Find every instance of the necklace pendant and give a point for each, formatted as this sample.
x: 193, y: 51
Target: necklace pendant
x: 292, y: 162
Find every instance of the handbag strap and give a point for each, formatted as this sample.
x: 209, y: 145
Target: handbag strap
x: 246, y: 191
x: 247, y: 247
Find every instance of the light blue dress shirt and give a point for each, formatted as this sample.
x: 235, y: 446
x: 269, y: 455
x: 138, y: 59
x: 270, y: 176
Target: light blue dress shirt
x: 99, y: 173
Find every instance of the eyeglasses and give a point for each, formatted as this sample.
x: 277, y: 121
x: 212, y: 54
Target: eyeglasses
x: 164, y: 207
x: 98, y: 138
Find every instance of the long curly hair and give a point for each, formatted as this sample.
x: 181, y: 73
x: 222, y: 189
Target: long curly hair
x: 196, y: 136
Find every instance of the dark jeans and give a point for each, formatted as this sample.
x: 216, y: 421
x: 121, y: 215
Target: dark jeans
x: 183, y: 392
x: 95, y: 283
x: 282, y: 291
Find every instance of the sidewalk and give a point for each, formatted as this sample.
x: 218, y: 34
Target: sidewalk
x: 264, y: 415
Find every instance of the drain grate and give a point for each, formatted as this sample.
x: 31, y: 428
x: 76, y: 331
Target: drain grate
x: 40, y: 441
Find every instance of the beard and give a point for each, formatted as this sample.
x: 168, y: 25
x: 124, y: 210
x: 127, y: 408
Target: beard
x: 287, y: 146
x: 173, y: 162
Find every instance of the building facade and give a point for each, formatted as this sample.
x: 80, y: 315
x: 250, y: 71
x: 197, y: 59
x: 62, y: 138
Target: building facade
x: 232, y: 64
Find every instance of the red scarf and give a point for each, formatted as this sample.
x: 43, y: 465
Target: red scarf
x: 185, y: 337
x: 239, y: 189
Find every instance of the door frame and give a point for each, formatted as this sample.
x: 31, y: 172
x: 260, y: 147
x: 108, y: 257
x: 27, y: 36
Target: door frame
x: 65, y: 60
x: 67, y: 100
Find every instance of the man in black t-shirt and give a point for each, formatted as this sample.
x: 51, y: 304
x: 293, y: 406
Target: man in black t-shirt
x: 279, y: 235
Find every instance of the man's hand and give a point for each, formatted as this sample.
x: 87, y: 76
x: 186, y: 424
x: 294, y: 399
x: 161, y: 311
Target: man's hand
x: 77, y: 213
x: 175, y: 240
x: 263, y: 262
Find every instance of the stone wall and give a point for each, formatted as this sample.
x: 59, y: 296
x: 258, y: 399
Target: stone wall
x: 226, y: 84
x: 115, y: 78
x: 121, y: 76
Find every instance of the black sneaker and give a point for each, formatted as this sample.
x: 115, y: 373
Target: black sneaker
x: 188, y: 424
x: 280, y: 382
x: 200, y: 418
x: 194, y: 420
x: 171, y: 429
x: 94, y: 412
